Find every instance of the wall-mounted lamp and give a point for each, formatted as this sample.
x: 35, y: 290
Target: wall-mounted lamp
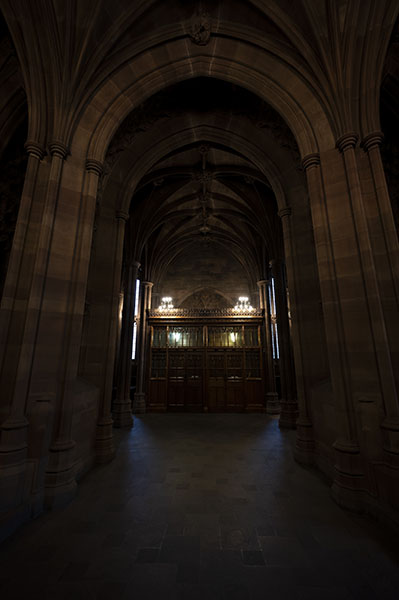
x: 243, y: 305
x: 166, y: 303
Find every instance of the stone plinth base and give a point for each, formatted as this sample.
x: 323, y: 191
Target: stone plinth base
x: 60, y: 483
x: 272, y: 404
x: 104, y: 445
x: 122, y: 413
x: 139, y: 405
x: 305, y: 446
x: 288, y: 415
x: 349, y: 482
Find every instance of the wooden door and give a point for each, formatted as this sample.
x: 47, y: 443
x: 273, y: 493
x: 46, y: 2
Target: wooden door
x: 193, y: 389
x: 254, y: 390
x: 216, y: 383
x: 176, y: 379
x: 157, y: 397
x: 235, y: 396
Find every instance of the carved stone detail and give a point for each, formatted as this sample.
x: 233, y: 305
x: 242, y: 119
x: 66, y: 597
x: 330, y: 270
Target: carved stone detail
x: 347, y: 141
x: 94, y: 166
x: 35, y: 149
x: 205, y: 298
x: 310, y: 161
x: 204, y: 176
x: 120, y: 214
x: 372, y: 139
x: 285, y: 212
x: 200, y: 28
x: 58, y: 149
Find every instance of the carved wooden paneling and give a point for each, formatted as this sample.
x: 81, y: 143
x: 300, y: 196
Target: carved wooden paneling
x: 215, y: 368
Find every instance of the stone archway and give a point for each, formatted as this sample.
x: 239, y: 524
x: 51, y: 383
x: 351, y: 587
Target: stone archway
x: 310, y: 67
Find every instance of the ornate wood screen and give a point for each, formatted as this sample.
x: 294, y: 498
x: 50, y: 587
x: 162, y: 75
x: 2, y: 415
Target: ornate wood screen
x: 205, y: 361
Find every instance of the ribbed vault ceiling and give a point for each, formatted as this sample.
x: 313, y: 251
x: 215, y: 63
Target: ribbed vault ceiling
x: 204, y: 191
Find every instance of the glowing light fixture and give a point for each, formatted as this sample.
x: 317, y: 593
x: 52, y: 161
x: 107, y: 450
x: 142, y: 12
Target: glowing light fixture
x: 177, y: 336
x: 233, y: 336
x: 243, y: 305
x: 166, y: 303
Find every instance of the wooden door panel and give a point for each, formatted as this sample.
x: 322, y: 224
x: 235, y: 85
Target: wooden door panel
x: 193, y: 398
x: 254, y: 395
x: 216, y: 381
x: 235, y: 397
x: 176, y: 396
x: 217, y: 397
x: 157, y: 400
x: 186, y: 373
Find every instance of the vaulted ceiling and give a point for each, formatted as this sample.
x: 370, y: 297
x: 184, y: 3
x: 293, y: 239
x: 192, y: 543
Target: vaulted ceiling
x: 206, y: 154
x: 203, y: 190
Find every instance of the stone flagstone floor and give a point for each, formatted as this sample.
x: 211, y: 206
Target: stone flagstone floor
x: 199, y: 506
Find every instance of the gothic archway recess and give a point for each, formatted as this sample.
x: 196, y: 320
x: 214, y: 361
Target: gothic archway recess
x: 205, y: 160
x: 320, y: 68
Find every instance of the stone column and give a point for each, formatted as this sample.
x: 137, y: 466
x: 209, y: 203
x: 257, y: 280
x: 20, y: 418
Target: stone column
x: 305, y: 445
x: 122, y: 407
x: 387, y: 272
x: 13, y: 315
x: 371, y: 145
x: 32, y: 292
x: 104, y: 439
x: 348, y: 465
x: 272, y: 401
x: 289, y: 405
x: 60, y: 475
x: 139, y: 404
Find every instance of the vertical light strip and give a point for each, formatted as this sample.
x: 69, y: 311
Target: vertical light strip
x: 136, y: 300
x: 277, y: 346
x: 275, y: 325
x: 274, y: 296
x: 271, y: 305
x: 136, y: 310
x: 270, y: 300
x: 134, y: 340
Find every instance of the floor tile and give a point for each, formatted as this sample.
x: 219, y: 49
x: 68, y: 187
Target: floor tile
x: 202, y: 507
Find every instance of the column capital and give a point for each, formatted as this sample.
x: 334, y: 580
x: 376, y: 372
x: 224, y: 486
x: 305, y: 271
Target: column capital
x: 311, y: 160
x: 122, y: 215
x: 347, y: 141
x: 284, y: 212
x: 148, y: 284
x: 262, y: 282
x: 94, y: 166
x: 372, y: 140
x: 58, y: 149
x: 35, y: 149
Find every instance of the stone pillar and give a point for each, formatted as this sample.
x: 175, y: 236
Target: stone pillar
x: 386, y: 258
x: 348, y: 476
x: 289, y: 405
x: 60, y: 476
x: 371, y: 145
x: 104, y: 439
x: 122, y: 407
x: 139, y: 404
x: 305, y: 445
x: 13, y: 315
x: 32, y: 292
x: 272, y: 401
